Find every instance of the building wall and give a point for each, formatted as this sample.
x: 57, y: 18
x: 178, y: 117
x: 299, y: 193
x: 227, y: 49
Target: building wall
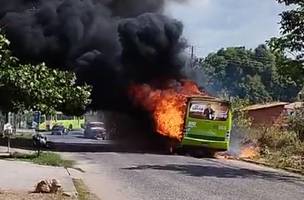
x: 267, y: 116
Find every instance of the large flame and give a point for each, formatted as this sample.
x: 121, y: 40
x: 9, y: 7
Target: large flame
x: 167, y: 105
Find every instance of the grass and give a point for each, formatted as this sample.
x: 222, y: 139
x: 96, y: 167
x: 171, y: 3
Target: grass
x: 24, y: 135
x: 83, y: 191
x: 20, y: 141
x: 45, y: 158
x: 279, y: 148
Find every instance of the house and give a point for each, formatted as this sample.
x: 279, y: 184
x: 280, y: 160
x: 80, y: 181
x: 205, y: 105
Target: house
x: 292, y: 106
x: 271, y: 114
x: 268, y: 114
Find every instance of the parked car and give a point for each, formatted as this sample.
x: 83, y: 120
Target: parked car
x: 95, y: 130
x: 59, y: 129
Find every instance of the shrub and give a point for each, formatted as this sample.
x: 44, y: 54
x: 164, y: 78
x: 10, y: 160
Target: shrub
x: 296, y: 122
x: 281, y: 148
x: 277, y: 146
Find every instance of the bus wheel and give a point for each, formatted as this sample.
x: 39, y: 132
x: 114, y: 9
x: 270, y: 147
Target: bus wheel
x: 180, y: 151
x: 203, y: 153
x: 210, y: 153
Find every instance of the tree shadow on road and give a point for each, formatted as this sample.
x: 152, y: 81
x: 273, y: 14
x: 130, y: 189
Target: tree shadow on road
x: 221, y: 172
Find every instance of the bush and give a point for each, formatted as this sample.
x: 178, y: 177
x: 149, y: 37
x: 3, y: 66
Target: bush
x: 272, y: 138
x: 280, y: 148
x: 296, y: 122
x: 277, y: 146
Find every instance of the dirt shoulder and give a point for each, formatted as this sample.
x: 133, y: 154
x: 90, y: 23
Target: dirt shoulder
x: 32, y: 196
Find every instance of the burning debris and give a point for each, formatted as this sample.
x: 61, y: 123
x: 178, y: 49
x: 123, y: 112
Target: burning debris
x: 249, y: 152
x: 167, y: 106
x: 246, y: 152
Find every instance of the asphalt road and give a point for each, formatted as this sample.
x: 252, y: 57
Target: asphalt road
x: 75, y: 141
x: 139, y: 176
x: 73, y: 137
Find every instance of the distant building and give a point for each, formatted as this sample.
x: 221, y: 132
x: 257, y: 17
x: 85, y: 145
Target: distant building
x: 269, y: 114
x: 292, y: 106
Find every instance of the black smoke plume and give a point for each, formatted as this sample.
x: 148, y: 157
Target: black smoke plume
x: 107, y: 43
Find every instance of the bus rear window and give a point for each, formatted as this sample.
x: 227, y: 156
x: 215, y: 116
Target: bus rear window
x: 209, y: 110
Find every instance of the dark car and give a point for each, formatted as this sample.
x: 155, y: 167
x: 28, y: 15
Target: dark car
x: 59, y: 129
x: 95, y: 130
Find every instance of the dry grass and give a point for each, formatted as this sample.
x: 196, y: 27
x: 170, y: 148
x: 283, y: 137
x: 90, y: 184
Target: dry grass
x: 83, y: 191
x: 280, y: 148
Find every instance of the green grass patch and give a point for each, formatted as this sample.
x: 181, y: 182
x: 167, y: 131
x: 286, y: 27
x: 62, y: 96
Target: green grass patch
x: 24, y: 141
x: 45, y: 158
x: 24, y: 135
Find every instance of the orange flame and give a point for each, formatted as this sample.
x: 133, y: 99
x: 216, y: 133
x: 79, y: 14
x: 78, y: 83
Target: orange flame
x: 249, y: 152
x: 167, y: 106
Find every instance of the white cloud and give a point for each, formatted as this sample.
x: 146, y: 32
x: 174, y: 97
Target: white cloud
x: 213, y: 24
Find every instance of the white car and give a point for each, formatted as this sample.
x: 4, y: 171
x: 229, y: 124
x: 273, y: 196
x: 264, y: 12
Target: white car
x: 95, y: 130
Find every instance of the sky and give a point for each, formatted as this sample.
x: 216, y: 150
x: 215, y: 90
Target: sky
x: 210, y: 25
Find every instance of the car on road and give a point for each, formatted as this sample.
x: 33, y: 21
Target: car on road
x: 59, y: 129
x: 94, y: 130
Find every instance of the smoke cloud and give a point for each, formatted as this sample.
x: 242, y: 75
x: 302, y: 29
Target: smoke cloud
x: 107, y: 43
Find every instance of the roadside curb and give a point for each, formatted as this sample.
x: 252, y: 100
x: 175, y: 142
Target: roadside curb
x: 73, y: 192
x: 292, y: 170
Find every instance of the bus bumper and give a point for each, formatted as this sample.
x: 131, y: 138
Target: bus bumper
x: 216, y: 145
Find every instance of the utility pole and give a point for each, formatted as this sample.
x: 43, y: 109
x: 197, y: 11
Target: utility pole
x: 192, y: 56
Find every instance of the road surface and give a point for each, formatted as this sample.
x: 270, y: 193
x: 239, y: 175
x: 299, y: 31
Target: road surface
x: 75, y: 141
x: 73, y: 137
x: 140, y: 176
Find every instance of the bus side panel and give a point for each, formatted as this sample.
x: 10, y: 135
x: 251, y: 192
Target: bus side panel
x: 75, y: 123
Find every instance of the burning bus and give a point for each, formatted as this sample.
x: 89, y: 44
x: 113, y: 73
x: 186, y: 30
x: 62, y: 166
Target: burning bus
x: 133, y: 58
x: 184, y: 115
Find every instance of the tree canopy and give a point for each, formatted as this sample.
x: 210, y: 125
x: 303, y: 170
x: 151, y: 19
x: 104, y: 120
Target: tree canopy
x: 37, y: 87
x: 291, y: 41
x: 248, y: 74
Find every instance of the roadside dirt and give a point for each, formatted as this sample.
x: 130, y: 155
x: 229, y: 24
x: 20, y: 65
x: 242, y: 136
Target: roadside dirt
x: 32, y: 196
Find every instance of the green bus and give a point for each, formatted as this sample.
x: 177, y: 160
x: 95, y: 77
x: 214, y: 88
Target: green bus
x: 208, y: 124
x: 46, y: 122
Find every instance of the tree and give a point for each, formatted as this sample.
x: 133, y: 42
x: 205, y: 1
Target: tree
x: 248, y: 74
x: 37, y: 87
x: 291, y: 41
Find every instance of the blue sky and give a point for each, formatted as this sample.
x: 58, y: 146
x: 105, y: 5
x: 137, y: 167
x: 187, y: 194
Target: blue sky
x: 213, y: 24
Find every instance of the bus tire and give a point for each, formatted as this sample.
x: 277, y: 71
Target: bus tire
x: 203, y: 153
x: 211, y: 153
